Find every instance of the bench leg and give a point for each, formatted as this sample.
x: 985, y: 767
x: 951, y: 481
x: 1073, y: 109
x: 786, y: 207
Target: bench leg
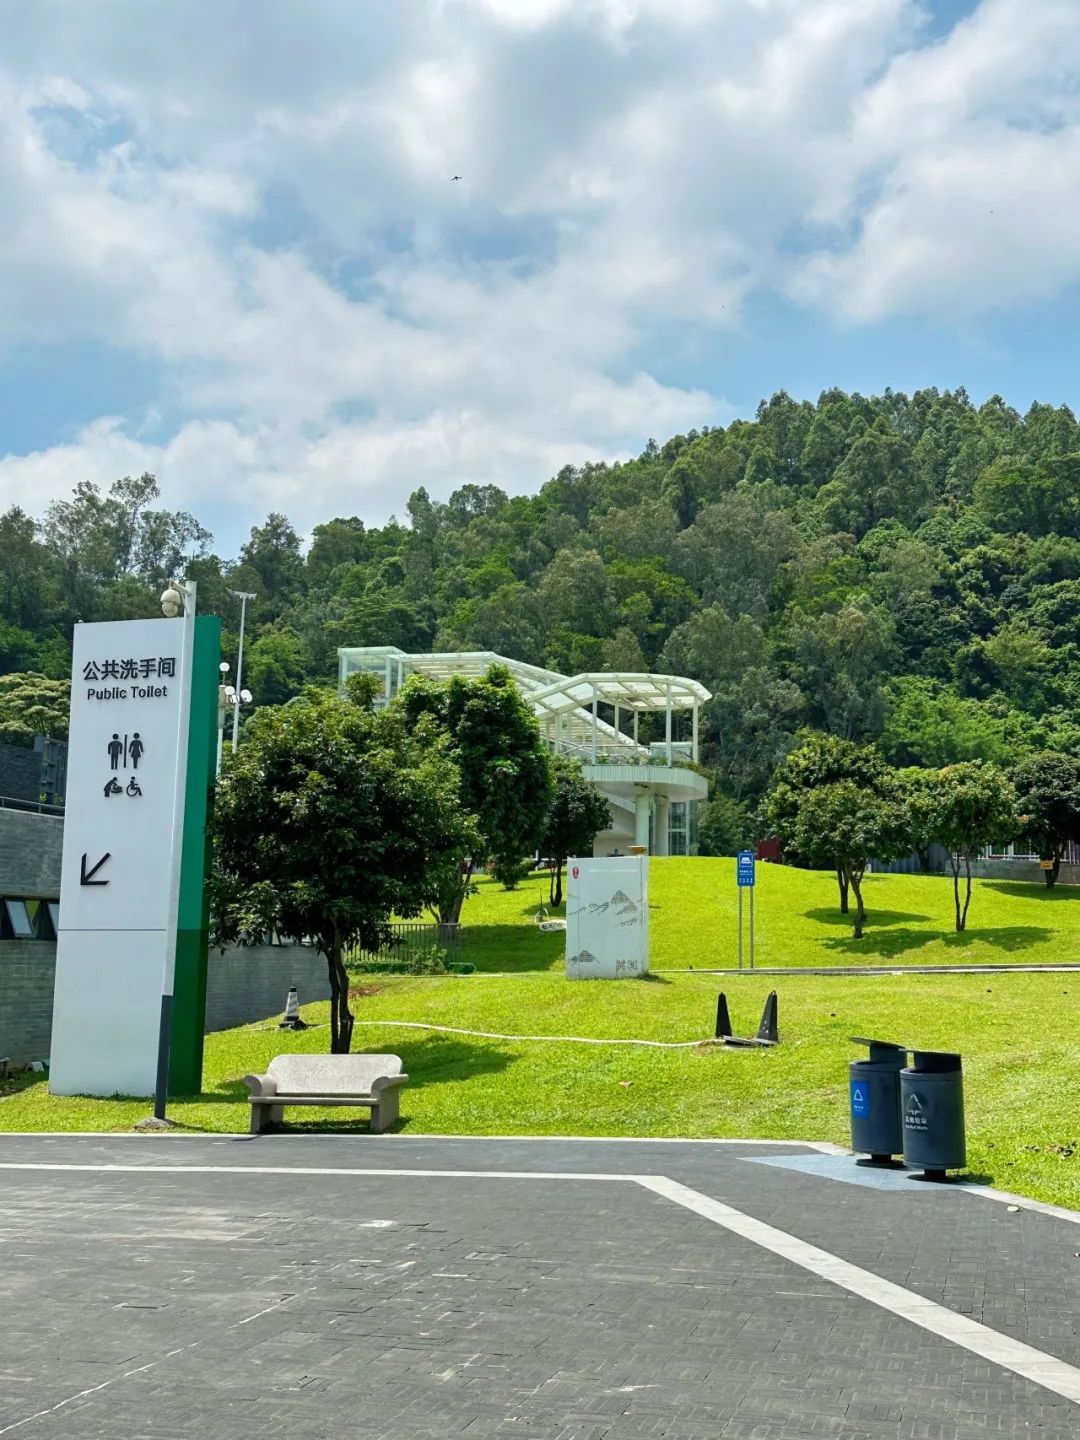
x: 263, y: 1115
x: 385, y: 1113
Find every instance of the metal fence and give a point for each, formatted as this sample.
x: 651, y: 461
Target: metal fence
x: 409, y: 939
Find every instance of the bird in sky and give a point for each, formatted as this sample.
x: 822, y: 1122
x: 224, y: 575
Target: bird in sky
x: 455, y: 177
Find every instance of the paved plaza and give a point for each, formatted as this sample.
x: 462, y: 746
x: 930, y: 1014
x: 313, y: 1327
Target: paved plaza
x: 334, y: 1286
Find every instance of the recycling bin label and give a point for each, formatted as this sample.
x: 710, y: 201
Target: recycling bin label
x: 860, y: 1098
x: 915, y: 1114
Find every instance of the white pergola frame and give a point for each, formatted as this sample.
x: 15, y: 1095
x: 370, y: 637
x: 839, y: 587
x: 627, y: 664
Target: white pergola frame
x: 567, y: 706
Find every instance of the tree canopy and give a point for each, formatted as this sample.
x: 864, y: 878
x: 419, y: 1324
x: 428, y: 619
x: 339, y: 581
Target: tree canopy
x: 577, y: 814
x: 504, y: 772
x: 330, y: 819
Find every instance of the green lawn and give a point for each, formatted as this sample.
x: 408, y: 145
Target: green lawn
x: 1017, y: 1034
x: 693, y: 921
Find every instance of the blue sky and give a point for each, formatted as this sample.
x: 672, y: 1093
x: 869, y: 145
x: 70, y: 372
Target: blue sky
x: 234, y: 255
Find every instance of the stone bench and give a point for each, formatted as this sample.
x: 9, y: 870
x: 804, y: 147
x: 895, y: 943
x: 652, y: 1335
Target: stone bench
x: 361, y: 1080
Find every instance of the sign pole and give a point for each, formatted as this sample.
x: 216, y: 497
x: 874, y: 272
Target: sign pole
x: 176, y: 846
x: 744, y: 879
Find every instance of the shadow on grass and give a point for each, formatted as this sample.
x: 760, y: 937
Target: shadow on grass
x: 1011, y: 939
x: 830, y: 915
x: 432, y: 1061
x: 1029, y: 889
x: 511, y: 947
x: 22, y: 1080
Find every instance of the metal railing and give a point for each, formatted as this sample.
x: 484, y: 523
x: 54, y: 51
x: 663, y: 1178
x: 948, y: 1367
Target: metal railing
x: 408, y: 939
x: 36, y: 807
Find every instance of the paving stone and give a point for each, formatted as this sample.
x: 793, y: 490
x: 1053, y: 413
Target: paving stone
x: 237, y: 1306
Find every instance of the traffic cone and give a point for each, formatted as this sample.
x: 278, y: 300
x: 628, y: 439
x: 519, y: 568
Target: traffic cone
x: 723, y: 1019
x: 768, y: 1034
x: 292, y: 1019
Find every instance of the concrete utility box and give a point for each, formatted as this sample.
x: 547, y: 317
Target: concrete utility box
x: 932, y: 1102
x: 607, y: 917
x: 874, y: 1088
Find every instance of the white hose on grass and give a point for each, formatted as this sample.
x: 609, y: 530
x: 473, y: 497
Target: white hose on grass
x: 553, y: 1039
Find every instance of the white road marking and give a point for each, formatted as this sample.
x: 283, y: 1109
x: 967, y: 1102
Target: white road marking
x: 112, y: 1169
x: 1002, y: 1350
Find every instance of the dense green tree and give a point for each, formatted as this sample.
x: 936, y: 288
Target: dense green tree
x: 844, y: 825
x: 274, y: 667
x: 929, y: 724
x: 505, y: 780
x: 820, y: 762
x: 973, y: 805
x: 1047, y: 786
x: 908, y: 567
x: 839, y: 660
x: 577, y: 814
x: 33, y: 705
x: 725, y: 826
x: 330, y: 819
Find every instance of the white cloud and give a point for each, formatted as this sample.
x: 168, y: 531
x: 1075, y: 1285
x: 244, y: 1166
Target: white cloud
x: 268, y: 214
x: 968, y: 153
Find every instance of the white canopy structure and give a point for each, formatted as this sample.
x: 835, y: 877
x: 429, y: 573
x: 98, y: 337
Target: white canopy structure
x: 649, y: 781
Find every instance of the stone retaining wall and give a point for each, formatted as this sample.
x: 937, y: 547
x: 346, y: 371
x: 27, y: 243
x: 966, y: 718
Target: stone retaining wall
x: 242, y: 986
x: 30, y: 846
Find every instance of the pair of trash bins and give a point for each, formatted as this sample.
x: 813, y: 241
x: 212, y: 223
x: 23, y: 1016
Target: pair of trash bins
x: 916, y: 1110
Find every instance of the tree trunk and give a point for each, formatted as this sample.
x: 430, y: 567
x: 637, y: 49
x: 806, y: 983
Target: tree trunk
x: 962, y: 923
x: 556, y: 883
x: 954, y: 862
x: 450, y: 905
x: 860, y: 911
x: 1052, y: 874
x: 842, y: 881
x: 341, y: 1017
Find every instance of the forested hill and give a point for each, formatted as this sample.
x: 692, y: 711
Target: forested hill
x: 900, y: 569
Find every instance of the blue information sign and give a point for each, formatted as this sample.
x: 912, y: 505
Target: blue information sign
x: 860, y: 1098
x: 745, y: 867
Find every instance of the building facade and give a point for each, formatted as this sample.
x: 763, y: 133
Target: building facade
x: 636, y: 735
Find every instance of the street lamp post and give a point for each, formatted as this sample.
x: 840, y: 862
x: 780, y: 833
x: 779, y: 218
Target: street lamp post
x: 229, y: 698
x: 224, y: 700
x: 243, y: 596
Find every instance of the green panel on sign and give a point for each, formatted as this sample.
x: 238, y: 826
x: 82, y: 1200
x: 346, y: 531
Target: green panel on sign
x: 189, y: 989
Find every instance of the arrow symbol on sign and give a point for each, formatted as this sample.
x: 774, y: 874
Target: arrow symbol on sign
x: 86, y: 877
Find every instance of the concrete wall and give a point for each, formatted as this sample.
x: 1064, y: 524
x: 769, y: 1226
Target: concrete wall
x: 246, y: 985
x: 27, y: 972
x: 30, y: 847
x: 20, y: 773
x: 242, y: 986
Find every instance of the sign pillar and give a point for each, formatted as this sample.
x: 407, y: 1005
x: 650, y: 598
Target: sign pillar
x: 127, y: 748
x: 193, y: 916
x: 745, y: 878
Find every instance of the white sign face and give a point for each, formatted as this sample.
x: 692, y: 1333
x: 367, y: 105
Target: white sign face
x: 607, y: 917
x: 114, y: 894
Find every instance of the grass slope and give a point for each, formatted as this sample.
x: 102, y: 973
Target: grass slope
x: 693, y: 905
x: 1017, y: 1034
